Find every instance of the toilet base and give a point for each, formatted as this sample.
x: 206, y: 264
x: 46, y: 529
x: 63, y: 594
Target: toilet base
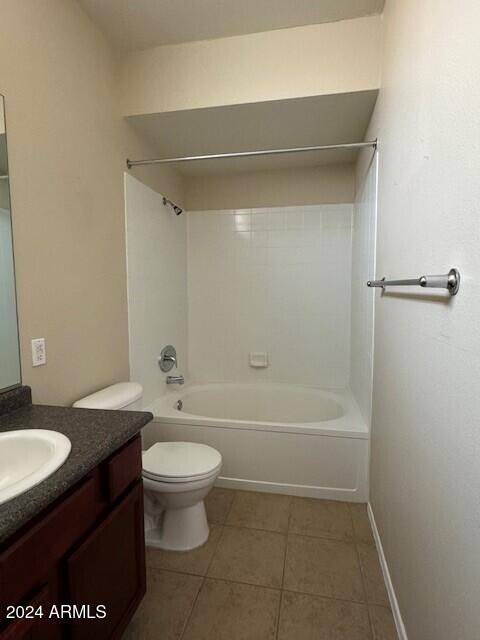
x: 180, y: 529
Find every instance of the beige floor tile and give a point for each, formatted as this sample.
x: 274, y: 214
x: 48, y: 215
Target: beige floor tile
x: 166, y: 607
x: 372, y: 575
x: 361, y: 524
x: 323, y: 518
x: 323, y: 567
x: 249, y: 555
x: 267, y: 511
x: 195, y: 561
x: 305, y: 617
x: 382, y: 623
x: 218, y: 504
x: 232, y: 611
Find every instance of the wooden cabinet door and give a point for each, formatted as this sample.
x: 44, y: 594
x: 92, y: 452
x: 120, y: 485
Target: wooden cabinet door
x: 109, y: 569
x: 31, y: 627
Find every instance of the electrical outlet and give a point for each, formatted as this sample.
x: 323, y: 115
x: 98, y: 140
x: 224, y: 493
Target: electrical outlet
x: 39, y: 352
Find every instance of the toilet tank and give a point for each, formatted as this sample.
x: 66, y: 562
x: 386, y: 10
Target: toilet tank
x: 123, y: 395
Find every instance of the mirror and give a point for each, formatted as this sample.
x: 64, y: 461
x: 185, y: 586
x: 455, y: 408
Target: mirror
x: 9, y: 349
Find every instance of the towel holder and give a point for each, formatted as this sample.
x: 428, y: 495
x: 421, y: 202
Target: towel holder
x: 449, y: 281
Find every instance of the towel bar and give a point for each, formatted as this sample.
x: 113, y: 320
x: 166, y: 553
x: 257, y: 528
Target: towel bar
x: 449, y: 281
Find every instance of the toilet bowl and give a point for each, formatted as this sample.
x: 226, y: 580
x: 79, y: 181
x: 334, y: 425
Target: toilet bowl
x: 177, y: 476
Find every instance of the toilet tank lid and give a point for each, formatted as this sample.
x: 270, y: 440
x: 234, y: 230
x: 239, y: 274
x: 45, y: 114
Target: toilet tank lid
x: 116, y: 396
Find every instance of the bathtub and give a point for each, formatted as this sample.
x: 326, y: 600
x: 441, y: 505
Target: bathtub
x: 278, y: 438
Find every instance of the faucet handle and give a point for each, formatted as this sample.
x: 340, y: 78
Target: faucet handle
x: 167, y: 358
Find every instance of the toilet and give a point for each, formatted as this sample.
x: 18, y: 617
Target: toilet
x: 177, y: 476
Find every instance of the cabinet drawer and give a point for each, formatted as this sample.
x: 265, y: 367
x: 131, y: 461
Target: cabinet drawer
x: 28, y: 561
x: 124, y: 468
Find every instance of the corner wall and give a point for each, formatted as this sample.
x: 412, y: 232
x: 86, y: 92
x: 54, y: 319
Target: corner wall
x: 425, y: 471
x: 157, y: 285
x: 67, y: 149
x: 363, y: 269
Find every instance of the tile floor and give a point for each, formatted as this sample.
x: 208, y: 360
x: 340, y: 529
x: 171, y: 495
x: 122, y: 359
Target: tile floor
x: 274, y: 568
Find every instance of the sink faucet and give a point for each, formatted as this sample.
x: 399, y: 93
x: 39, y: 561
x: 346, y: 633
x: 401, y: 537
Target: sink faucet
x: 175, y: 380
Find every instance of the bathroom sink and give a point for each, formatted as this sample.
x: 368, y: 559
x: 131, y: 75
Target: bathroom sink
x: 27, y: 457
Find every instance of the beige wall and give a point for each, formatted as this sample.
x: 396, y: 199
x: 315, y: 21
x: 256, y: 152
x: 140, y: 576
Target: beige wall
x: 67, y: 149
x: 326, y: 184
x: 289, y: 63
x: 425, y: 473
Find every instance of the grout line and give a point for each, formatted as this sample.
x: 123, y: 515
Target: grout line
x: 250, y: 584
x: 309, y: 535
x: 286, y: 542
x: 276, y: 589
x: 204, y: 577
x: 237, y: 526
x: 245, y: 584
x: 371, y: 540
x: 187, y: 620
x: 214, y: 551
x: 231, y: 505
x: 287, y: 533
x: 372, y: 630
x: 180, y: 571
x: 325, y: 597
x: 327, y: 539
x: 364, y: 575
x: 277, y: 631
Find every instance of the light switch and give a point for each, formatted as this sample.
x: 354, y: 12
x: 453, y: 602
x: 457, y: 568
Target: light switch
x: 39, y: 352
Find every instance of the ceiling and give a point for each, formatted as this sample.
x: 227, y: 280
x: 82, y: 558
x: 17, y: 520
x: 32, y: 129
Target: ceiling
x: 318, y: 120
x: 141, y: 24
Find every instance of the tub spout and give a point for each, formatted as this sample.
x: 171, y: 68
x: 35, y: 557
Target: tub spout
x: 175, y: 380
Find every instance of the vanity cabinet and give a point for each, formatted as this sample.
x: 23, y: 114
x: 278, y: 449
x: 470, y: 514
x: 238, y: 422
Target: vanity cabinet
x: 108, y: 568
x: 78, y: 570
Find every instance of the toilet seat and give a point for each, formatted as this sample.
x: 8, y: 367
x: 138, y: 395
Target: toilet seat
x: 180, y: 462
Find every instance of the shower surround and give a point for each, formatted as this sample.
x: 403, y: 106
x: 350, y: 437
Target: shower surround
x: 270, y: 280
x: 221, y: 285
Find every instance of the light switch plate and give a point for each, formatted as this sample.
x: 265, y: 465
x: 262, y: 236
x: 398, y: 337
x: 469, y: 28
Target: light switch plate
x: 39, y: 352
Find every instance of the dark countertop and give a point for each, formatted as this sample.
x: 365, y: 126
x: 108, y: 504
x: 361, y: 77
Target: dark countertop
x: 94, y: 435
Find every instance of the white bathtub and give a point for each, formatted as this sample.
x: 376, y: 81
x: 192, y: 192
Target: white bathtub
x: 272, y: 437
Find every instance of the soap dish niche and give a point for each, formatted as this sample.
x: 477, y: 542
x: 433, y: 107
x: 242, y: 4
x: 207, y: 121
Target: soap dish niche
x: 258, y: 359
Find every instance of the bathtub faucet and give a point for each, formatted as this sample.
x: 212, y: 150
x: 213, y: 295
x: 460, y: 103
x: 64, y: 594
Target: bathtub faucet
x: 175, y: 380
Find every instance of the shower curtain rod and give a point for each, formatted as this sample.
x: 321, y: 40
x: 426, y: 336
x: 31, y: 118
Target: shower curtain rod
x: 247, y: 154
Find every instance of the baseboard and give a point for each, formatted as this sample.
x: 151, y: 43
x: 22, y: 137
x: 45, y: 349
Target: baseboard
x: 304, y: 491
x: 397, y: 616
